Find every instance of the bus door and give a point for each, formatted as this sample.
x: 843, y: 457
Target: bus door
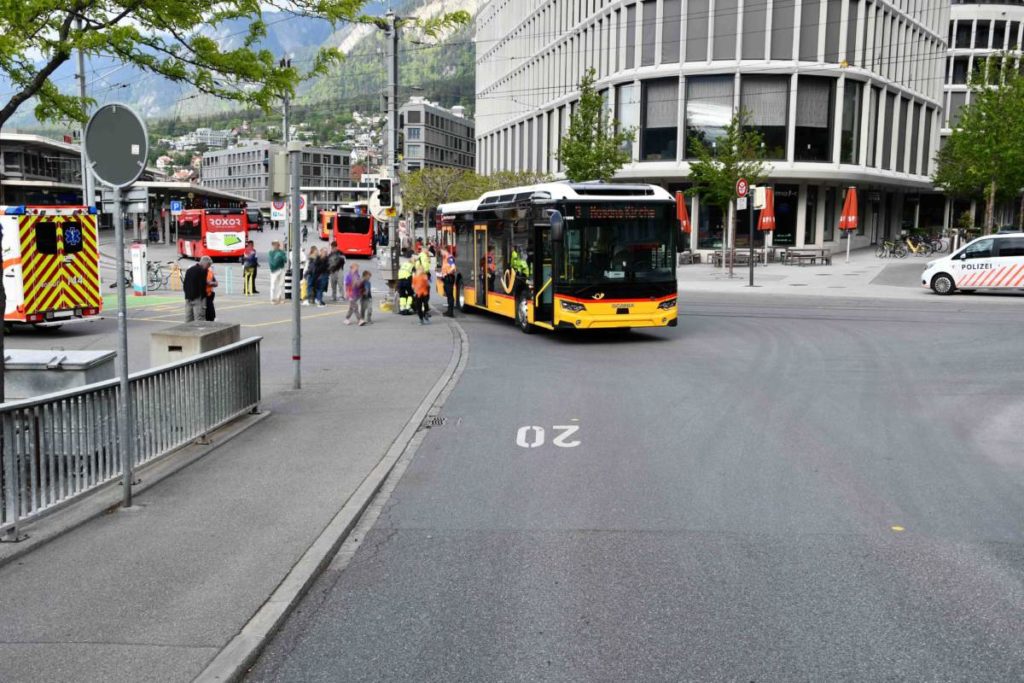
x: 543, y: 286
x: 480, y: 263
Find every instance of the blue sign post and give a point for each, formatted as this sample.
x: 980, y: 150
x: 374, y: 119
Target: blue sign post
x: 177, y: 206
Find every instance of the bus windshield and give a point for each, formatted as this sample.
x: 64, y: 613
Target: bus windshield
x: 359, y: 225
x: 619, y: 243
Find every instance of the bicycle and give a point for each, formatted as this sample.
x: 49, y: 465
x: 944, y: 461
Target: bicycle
x: 157, y: 279
x: 891, y: 248
x: 918, y: 246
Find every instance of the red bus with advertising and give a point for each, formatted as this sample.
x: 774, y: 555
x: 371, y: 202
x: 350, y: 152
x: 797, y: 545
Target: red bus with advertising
x: 354, y: 230
x: 217, y: 233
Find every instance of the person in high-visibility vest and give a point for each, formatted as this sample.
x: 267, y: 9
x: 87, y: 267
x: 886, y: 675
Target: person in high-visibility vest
x: 521, y: 268
x: 448, y: 273
x: 405, y: 294
x: 423, y: 261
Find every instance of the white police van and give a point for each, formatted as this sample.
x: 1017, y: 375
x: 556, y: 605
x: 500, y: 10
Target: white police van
x: 991, y: 262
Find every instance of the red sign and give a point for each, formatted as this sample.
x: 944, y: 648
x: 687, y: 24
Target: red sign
x: 741, y: 187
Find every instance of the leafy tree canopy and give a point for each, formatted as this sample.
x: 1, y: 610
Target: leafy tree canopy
x: 171, y: 38
x: 594, y: 148
x: 984, y: 156
x: 736, y: 154
x: 426, y: 188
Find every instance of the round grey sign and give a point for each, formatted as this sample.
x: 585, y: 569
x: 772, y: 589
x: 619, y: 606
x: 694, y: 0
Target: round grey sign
x: 116, y: 144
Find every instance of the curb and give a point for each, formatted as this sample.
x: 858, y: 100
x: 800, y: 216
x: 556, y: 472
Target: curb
x: 235, y: 658
x: 107, y: 498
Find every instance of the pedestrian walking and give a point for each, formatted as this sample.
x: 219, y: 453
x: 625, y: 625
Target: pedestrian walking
x: 311, y: 268
x: 321, y: 278
x: 277, y: 260
x: 366, y: 300
x: 194, y: 288
x: 448, y: 275
x: 421, y: 298
x: 211, y: 284
x: 250, y: 260
x: 354, y: 291
x: 405, y: 295
x: 335, y: 266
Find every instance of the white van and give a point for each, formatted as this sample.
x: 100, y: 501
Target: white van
x: 991, y: 262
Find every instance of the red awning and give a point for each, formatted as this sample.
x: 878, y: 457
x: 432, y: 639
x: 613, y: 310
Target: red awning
x: 766, y: 219
x: 682, y: 214
x: 848, y: 219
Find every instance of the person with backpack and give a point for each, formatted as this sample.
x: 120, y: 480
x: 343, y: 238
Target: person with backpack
x: 335, y: 264
x: 354, y: 292
x: 250, y: 261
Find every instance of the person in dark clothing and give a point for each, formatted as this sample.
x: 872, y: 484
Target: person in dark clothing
x: 321, y: 273
x: 195, y: 290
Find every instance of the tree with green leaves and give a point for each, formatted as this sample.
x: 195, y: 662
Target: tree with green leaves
x: 594, y: 147
x: 719, y: 163
x: 984, y: 156
x: 175, y: 39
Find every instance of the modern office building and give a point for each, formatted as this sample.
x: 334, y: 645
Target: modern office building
x: 39, y: 170
x: 844, y: 92
x: 258, y: 170
x: 435, y: 136
x: 977, y: 32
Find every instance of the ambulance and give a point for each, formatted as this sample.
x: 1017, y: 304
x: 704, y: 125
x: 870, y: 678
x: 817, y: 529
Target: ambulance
x: 51, y: 265
x: 992, y: 262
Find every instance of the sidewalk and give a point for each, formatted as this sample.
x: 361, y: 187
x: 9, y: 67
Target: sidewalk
x: 154, y: 593
x: 865, y: 276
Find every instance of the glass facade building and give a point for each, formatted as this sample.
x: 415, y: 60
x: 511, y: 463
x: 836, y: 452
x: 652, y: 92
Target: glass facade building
x: 843, y: 92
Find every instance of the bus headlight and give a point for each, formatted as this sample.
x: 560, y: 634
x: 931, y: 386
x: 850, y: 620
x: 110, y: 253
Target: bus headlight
x: 667, y: 304
x: 572, y: 306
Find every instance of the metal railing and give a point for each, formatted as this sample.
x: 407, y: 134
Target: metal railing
x: 57, y: 447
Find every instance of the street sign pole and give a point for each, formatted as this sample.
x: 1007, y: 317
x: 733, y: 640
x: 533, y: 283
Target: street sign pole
x: 750, y: 218
x: 124, y: 432
x: 294, y: 153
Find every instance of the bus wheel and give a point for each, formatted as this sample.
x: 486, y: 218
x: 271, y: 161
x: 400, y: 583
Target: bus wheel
x: 460, y: 298
x: 522, y: 314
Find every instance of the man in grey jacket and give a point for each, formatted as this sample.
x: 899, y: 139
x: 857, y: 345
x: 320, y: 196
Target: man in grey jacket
x: 195, y: 290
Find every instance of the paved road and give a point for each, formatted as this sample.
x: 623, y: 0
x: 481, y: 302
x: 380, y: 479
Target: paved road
x: 779, y: 489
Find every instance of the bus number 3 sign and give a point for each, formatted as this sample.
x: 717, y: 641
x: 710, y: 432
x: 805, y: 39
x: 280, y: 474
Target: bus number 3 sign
x: 532, y: 436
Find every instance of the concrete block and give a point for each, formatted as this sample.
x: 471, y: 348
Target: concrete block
x: 29, y: 372
x: 190, y: 339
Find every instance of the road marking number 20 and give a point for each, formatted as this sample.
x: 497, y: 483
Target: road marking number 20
x: 532, y: 436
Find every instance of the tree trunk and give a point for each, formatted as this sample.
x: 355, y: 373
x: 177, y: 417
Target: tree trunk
x: 990, y: 209
x: 1020, y: 215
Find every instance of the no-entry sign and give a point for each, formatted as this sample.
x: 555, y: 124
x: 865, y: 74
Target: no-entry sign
x: 742, y: 187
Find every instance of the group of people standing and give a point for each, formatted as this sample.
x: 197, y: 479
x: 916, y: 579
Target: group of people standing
x: 324, y: 268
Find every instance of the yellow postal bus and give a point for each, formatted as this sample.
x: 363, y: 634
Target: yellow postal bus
x: 567, y: 255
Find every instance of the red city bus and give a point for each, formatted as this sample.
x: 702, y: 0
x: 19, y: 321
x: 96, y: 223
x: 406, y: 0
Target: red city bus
x: 217, y: 233
x: 354, y: 230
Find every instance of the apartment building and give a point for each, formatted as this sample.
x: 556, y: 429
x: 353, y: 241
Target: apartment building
x: 435, y: 136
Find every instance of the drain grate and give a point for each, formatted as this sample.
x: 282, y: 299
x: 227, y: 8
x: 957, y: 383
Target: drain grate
x: 435, y: 421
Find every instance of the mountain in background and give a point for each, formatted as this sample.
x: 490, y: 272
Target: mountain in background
x: 444, y: 71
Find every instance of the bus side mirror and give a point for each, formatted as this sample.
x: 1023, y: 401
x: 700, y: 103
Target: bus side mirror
x: 557, y: 225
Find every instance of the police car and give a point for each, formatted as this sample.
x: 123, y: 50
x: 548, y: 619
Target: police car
x: 991, y: 262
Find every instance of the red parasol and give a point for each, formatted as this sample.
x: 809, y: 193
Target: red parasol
x: 766, y: 220
x: 848, y: 219
x: 682, y: 214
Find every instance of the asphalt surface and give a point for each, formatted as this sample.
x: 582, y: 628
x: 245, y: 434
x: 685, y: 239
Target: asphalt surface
x: 779, y: 489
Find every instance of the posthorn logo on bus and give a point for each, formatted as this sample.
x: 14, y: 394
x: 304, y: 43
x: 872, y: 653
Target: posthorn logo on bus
x: 599, y: 295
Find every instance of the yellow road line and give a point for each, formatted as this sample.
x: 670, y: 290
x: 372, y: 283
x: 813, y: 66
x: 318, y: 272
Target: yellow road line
x: 288, y: 320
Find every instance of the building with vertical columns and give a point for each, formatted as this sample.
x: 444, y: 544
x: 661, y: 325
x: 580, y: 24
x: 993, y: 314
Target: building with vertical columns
x: 977, y: 31
x: 844, y: 92
x: 435, y: 136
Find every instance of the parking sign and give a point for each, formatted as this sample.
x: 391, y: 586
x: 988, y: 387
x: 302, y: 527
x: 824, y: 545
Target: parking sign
x: 177, y: 206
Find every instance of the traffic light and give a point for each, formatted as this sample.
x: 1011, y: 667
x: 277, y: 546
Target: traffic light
x: 384, y: 192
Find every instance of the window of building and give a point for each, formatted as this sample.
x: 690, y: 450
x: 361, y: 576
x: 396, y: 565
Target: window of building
x: 849, y: 143
x: 649, y: 27
x: 766, y: 100
x: 915, y: 122
x: 981, y: 35
x: 755, y: 19
x: 708, y: 110
x: 627, y: 110
x: 631, y: 36
x: 412, y: 116
x: 901, y: 147
x: 887, y: 124
x: 661, y: 112
x: 672, y: 17
x: 811, y: 215
x: 783, y: 16
x: 809, y: 24
x: 851, y: 32
x: 830, y: 214
x: 724, y: 35
x: 832, y: 25
x: 998, y: 34
x: 960, y: 68
x: 926, y: 146
x: 413, y: 133
x: 957, y: 100
x: 697, y: 30
x: 814, y: 107
x: 1014, y: 42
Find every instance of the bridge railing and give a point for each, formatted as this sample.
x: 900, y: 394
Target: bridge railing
x: 61, y: 446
